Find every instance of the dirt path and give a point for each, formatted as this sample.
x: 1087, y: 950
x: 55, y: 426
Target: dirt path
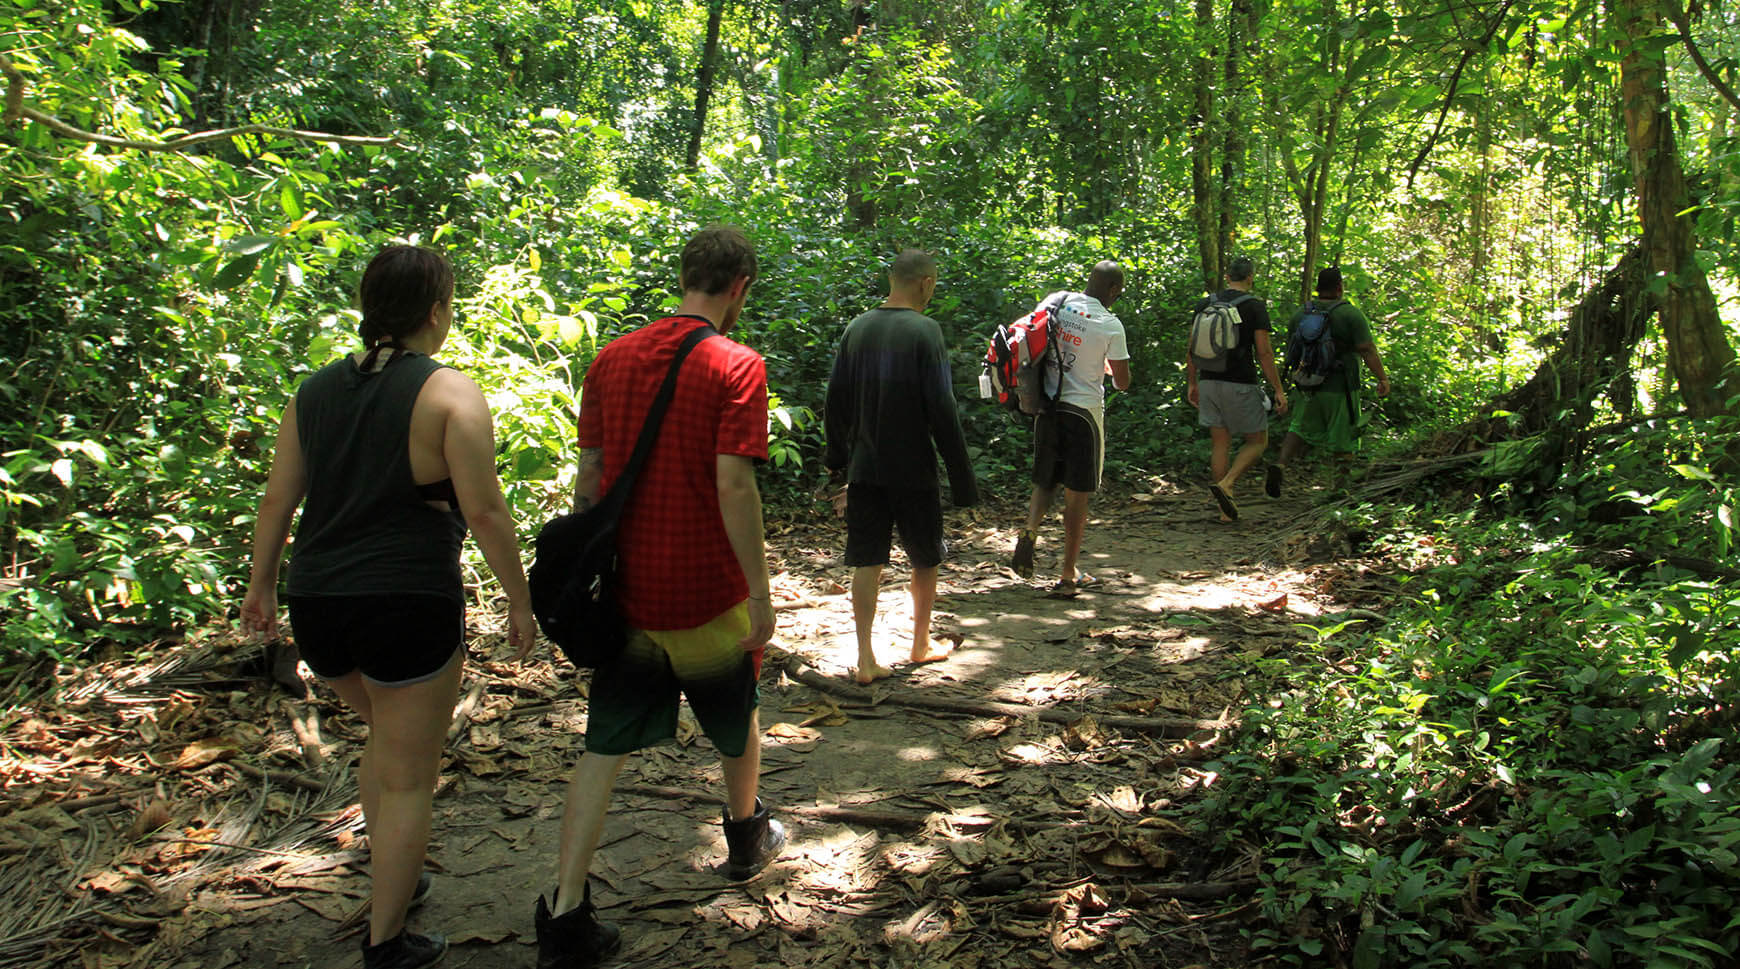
x: 920, y: 837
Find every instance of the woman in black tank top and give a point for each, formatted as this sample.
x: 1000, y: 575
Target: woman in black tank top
x: 375, y: 595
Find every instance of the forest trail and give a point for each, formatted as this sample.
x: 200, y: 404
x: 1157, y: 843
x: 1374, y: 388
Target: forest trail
x: 919, y: 836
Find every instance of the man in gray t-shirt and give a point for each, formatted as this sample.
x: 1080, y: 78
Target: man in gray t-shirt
x: 1069, y: 438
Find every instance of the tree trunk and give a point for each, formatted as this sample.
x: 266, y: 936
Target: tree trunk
x: 1242, y: 24
x: 1698, y: 349
x: 1314, y: 191
x: 1202, y: 152
x: 704, y: 81
x: 1594, y: 354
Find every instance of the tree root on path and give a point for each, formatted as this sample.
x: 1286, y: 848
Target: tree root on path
x: 1176, y: 729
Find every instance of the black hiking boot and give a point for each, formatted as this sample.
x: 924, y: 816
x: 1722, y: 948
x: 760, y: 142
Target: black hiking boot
x: 752, y: 842
x: 575, y: 939
x: 1272, y: 481
x: 1021, y: 563
x: 407, y: 950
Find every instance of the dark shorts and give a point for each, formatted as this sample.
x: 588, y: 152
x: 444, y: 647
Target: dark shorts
x: 873, y: 513
x: 1066, y: 449
x: 393, y: 640
x: 634, y: 698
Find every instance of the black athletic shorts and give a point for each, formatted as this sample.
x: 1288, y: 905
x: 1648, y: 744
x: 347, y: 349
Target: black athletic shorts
x: 874, y: 512
x: 1066, y: 449
x: 394, y: 640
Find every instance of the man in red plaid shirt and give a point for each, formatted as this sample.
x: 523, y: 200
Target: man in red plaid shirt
x: 693, y: 576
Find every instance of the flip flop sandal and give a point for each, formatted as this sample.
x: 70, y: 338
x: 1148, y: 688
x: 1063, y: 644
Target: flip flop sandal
x: 1225, y: 502
x: 1063, y: 590
x: 1085, y: 581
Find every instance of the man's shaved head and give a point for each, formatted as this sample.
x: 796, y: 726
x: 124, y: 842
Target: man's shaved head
x: 1106, y: 281
x: 912, y: 266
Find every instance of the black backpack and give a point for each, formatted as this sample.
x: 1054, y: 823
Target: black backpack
x: 1311, y: 351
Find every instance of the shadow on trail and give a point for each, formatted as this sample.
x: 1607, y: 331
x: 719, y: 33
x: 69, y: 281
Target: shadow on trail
x: 1055, y: 823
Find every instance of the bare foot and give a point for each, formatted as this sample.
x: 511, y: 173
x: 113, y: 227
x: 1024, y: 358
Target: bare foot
x: 866, y: 675
x: 932, y: 651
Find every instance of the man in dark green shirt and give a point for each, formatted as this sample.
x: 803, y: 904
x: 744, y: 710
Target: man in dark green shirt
x: 891, y: 394
x: 1329, y: 416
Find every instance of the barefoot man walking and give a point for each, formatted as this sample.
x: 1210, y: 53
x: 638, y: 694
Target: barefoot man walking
x: 891, y: 394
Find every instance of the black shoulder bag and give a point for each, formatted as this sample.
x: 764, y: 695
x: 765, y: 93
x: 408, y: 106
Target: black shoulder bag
x: 573, y: 573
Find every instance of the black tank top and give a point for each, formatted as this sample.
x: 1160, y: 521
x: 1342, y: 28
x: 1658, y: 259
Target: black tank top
x: 365, y: 529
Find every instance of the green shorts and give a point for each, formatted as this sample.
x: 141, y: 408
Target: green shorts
x: 633, y: 703
x: 1323, y: 420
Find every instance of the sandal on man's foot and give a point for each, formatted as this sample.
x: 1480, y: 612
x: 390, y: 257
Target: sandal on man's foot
x: 1224, y: 500
x: 1063, y: 589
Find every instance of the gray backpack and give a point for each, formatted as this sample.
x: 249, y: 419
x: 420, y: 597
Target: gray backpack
x: 1214, y: 332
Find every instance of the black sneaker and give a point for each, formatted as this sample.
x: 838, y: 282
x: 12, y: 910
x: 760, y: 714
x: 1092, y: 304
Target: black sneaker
x: 1021, y: 563
x: 752, y: 842
x: 1272, y: 480
x: 575, y: 939
x: 425, y: 885
x: 407, y: 950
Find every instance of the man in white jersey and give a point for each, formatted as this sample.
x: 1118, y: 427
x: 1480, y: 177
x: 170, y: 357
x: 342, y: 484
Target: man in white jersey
x: 1069, y: 438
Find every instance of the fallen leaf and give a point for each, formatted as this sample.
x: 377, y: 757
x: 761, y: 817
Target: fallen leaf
x: 655, y: 943
x: 151, y: 817
x: 793, y: 732
x: 1277, y: 604
x: 203, y: 752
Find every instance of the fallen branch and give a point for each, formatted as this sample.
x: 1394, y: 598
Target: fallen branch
x: 1177, y: 729
x: 1198, y: 891
x: 462, y: 713
x: 279, y: 776
x: 305, y: 723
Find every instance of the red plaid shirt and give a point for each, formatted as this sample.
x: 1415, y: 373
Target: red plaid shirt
x: 677, y: 567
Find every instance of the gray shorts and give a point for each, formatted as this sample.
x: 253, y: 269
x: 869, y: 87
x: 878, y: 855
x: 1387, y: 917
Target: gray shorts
x: 1240, y: 408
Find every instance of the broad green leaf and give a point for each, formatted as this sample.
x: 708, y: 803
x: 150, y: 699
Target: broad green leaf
x: 236, y: 272
x: 249, y: 245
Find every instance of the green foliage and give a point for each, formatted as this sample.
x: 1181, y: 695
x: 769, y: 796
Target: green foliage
x: 1526, y: 762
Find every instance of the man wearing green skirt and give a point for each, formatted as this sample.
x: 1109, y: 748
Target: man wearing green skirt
x: 1328, y: 418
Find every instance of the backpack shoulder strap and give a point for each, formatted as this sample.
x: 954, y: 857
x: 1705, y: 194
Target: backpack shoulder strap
x: 1240, y: 298
x: 649, y: 431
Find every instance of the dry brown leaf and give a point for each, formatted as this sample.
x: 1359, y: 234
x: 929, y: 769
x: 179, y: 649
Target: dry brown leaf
x: 1076, y: 939
x: 202, y: 752
x: 1085, y: 734
x: 655, y: 943
x: 151, y: 817
x: 1085, y: 899
x: 976, y: 777
x: 1122, y: 798
x: 793, y: 732
x: 1277, y: 604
